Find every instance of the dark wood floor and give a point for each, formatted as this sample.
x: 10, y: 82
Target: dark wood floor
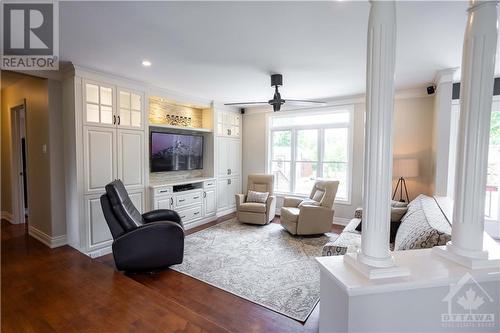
x: 62, y: 290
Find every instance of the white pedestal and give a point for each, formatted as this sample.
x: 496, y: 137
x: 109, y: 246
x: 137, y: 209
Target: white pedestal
x: 375, y: 272
x: 488, y: 258
x: 427, y: 300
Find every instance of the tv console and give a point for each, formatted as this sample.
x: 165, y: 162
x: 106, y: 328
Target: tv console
x: 193, y: 199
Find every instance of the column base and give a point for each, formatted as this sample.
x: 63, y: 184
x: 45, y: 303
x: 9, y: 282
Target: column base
x: 469, y: 259
x: 354, y: 260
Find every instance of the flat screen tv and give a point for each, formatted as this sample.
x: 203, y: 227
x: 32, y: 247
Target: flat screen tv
x: 175, y: 152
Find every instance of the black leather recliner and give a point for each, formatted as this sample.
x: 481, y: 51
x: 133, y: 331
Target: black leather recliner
x: 142, y: 243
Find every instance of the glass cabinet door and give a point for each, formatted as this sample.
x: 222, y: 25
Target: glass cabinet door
x: 130, y: 106
x: 98, y: 106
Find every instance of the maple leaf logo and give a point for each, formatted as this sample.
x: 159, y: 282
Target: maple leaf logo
x: 470, y: 301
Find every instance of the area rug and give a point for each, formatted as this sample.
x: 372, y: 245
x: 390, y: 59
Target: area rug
x: 263, y: 264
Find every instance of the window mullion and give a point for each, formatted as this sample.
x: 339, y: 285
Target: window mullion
x: 321, y: 133
x: 292, y: 164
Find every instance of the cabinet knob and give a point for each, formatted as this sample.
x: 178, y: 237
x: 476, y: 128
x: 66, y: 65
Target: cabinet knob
x: 204, y: 194
x: 114, y: 119
x: 229, y: 182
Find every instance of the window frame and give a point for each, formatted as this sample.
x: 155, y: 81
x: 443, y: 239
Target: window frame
x: 321, y: 137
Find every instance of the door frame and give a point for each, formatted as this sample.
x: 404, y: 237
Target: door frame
x: 18, y: 129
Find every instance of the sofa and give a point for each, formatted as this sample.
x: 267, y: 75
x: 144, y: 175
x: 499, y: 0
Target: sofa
x: 424, y: 225
x: 311, y: 216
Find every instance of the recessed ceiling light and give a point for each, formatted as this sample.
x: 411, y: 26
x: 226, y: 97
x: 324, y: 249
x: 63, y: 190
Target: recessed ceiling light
x: 146, y: 63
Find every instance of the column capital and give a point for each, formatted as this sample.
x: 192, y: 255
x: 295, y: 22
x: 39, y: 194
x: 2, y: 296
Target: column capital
x: 445, y: 75
x: 476, y: 4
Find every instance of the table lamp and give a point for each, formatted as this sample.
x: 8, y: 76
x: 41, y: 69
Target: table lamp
x: 404, y: 168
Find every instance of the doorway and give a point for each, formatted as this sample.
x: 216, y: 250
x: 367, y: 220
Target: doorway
x: 19, y: 163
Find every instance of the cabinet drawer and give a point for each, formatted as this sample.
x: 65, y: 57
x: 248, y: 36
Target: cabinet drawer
x: 187, y: 199
x: 209, y: 184
x: 190, y: 213
x: 163, y: 190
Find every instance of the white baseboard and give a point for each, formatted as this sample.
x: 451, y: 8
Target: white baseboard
x: 341, y: 220
x: 50, y: 241
x: 226, y: 212
x: 8, y: 217
x: 101, y: 252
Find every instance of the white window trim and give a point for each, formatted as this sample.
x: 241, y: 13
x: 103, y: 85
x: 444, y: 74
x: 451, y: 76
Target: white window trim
x: 350, y: 127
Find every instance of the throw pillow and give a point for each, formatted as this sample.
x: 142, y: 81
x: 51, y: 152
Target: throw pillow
x: 397, y: 213
x: 259, y: 197
x: 395, y: 203
x: 318, y: 195
x: 308, y: 202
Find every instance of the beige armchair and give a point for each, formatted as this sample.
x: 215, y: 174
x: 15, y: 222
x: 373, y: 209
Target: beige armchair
x: 253, y: 212
x: 310, y: 216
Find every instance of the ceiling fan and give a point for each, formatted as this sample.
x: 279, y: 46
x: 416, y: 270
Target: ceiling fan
x: 277, y: 101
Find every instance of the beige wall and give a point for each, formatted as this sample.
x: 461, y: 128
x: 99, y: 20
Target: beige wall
x: 413, y: 137
x: 413, y: 122
x: 43, y: 127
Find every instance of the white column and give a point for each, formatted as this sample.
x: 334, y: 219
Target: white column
x: 442, y: 123
x: 374, y: 258
x: 476, y: 92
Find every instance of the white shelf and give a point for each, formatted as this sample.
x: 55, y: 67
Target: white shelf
x: 191, y: 129
x: 179, y: 182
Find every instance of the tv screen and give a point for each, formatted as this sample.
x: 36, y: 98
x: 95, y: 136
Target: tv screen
x: 175, y: 152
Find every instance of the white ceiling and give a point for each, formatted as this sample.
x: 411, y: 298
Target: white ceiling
x: 226, y: 50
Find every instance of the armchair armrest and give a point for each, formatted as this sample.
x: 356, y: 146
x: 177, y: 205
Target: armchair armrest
x: 291, y: 202
x: 240, y: 198
x: 162, y: 215
x: 314, y: 219
x: 156, y: 244
x: 271, y: 207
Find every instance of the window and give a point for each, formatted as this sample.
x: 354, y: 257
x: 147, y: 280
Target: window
x: 304, y: 147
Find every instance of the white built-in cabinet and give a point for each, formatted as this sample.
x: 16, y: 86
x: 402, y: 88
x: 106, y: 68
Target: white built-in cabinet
x: 228, y: 159
x: 106, y: 137
x: 228, y: 124
x: 113, y: 145
x: 192, y: 205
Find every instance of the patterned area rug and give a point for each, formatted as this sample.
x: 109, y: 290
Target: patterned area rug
x: 263, y: 264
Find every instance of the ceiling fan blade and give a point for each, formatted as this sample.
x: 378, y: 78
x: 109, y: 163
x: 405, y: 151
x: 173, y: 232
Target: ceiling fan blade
x: 247, y: 103
x: 303, y: 102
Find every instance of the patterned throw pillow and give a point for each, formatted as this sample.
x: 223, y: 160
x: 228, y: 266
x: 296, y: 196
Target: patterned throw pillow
x: 318, y: 195
x: 423, y: 226
x: 260, y: 197
x: 309, y: 202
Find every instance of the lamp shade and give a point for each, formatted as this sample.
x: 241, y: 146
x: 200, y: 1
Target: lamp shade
x: 405, y: 167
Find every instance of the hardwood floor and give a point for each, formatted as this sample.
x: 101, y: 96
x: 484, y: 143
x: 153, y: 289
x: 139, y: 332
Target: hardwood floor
x: 62, y: 290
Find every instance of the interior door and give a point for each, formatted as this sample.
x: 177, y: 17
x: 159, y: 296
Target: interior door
x: 98, y: 232
x: 209, y: 202
x: 164, y: 203
x: 131, y: 158
x: 223, y: 152
x: 99, y: 157
x: 137, y: 199
x: 234, y: 188
x: 222, y: 193
x: 234, y: 156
